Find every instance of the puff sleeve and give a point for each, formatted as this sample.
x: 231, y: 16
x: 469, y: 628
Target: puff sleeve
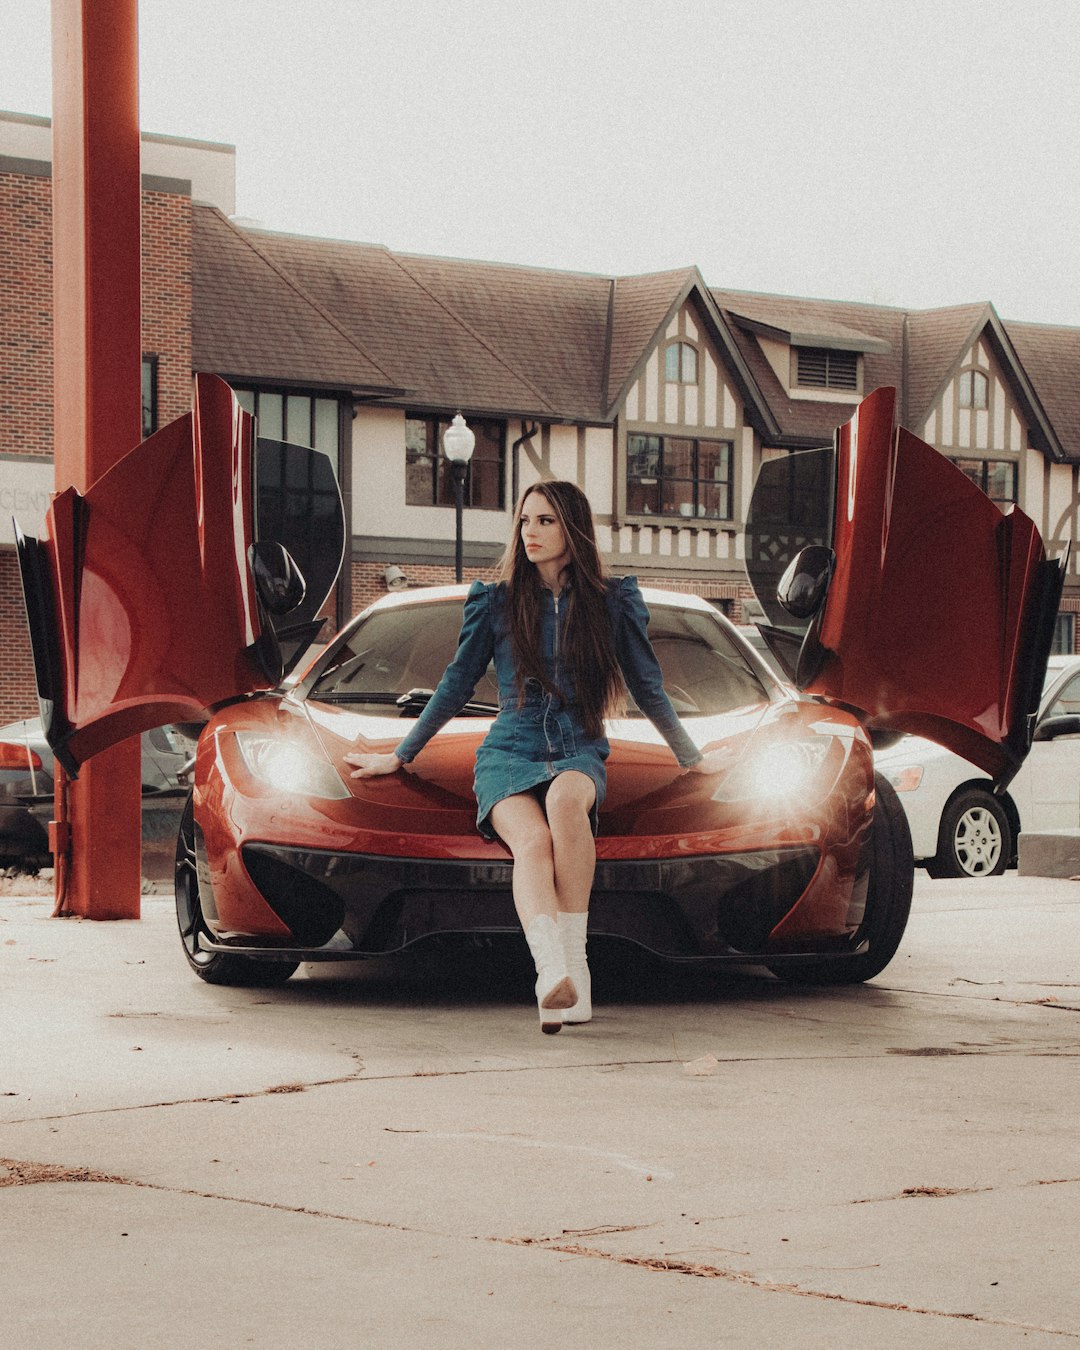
x: 476, y: 645
x: 642, y: 672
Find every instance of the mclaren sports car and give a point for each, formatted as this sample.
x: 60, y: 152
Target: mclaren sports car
x: 897, y: 597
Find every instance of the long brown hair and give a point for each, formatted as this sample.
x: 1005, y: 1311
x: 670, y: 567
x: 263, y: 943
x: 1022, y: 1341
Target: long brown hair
x: 588, y: 641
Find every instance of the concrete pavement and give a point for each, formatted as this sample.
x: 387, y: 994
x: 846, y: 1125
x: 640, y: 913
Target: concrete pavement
x: 392, y: 1155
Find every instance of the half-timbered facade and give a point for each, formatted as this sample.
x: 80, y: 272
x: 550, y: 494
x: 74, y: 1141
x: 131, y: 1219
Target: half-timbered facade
x: 658, y: 394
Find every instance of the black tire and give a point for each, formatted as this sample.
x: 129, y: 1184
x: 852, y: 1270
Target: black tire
x: 888, y: 902
x: 975, y: 838
x: 213, y: 967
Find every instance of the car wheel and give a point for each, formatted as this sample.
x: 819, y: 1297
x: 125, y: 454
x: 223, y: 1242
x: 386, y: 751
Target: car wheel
x: 888, y: 901
x: 213, y: 967
x: 975, y: 838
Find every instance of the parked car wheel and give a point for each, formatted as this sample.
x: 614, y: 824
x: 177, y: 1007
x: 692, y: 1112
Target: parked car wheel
x: 213, y: 967
x: 975, y: 839
x: 888, y: 901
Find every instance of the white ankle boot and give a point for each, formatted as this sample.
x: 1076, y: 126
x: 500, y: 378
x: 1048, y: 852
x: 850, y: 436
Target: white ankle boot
x: 572, y: 930
x: 554, y: 988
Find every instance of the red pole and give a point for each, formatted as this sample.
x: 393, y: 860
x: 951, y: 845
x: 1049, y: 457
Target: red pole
x: 97, y: 376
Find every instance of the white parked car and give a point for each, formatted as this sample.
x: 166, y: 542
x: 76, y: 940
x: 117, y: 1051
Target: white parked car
x: 958, y: 827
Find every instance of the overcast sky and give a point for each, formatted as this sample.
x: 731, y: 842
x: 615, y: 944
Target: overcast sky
x: 903, y: 152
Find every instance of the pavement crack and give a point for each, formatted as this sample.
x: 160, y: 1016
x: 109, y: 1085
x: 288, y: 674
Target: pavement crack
x: 701, y: 1270
x: 273, y: 1090
x: 20, y: 1172
x: 946, y: 1192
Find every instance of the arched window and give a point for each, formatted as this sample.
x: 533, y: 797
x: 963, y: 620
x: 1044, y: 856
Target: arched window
x: 681, y: 363
x: 974, y: 389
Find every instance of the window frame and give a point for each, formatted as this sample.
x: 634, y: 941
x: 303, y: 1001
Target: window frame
x: 149, y: 409
x: 1064, y: 640
x: 442, y: 492
x: 683, y: 348
x: 967, y: 386
x: 658, y: 479
x: 982, y: 480
x: 249, y: 395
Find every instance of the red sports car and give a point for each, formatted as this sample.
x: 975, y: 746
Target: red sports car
x: 899, y: 597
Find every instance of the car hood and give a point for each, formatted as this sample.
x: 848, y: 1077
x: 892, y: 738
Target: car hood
x: 648, y: 794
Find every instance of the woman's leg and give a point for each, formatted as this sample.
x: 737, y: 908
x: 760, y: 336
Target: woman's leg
x: 568, y: 804
x: 523, y: 827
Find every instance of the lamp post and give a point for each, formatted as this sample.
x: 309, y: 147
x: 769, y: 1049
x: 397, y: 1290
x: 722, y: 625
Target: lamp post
x: 458, y: 445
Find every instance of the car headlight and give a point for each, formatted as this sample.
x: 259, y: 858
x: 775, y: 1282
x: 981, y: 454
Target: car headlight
x: 288, y: 768
x: 785, y: 770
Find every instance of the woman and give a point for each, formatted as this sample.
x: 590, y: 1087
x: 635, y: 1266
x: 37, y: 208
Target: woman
x: 564, y: 638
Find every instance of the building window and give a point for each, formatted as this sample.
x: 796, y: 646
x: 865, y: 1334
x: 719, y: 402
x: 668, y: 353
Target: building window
x: 974, y: 389
x: 678, y: 476
x: 298, y: 501
x: 428, y: 480
x: 149, y: 396
x: 300, y: 419
x: 823, y: 368
x: 681, y: 363
x: 996, y: 477
x: 1064, y: 635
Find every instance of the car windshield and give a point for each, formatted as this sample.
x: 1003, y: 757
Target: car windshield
x: 407, y: 648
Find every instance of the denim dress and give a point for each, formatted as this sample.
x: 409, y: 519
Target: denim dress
x: 532, y: 741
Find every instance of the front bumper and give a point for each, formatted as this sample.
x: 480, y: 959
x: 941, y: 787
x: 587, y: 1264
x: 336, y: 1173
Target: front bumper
x: 338, y: 905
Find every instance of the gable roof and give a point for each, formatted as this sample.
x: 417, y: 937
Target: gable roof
x: 643, y: 307
x: 938, y: 339
x: 941, y: 339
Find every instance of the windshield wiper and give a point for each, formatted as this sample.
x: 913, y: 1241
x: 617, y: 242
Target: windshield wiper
x: 411, y: 704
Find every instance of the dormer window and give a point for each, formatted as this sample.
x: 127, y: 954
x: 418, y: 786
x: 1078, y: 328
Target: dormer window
x: 826, y: 368
x: 681, y: 363
x: 974, y: 389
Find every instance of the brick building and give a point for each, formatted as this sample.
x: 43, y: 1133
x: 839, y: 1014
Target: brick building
x: 659, y: 394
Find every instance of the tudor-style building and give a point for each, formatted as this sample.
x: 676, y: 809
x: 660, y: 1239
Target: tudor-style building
x: 658, y: 394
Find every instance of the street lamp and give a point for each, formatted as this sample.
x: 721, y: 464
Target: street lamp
x: 458, y: 443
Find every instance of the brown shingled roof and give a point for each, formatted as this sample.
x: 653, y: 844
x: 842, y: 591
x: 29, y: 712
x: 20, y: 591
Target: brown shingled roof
x: 639, y: 306
x: 393, y: 307
x: 496, y: 338
x: 937, y: 340
x: 1051, y: 357
x: 549, y: 327
x: 250, y: 319
x: 809, y: 421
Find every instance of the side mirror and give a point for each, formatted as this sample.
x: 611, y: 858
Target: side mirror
x: 278, y: 580
x: 1052, y: 727
x: 802, y: 588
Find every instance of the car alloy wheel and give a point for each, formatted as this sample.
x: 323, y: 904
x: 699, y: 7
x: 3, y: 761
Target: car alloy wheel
x: 975, y: 839
x: 213, y: 967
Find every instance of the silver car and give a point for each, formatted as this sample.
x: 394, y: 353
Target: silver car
x: 26, y: 782
x: 959, y: 828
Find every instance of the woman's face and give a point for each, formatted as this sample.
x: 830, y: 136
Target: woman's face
x: 541, y: 534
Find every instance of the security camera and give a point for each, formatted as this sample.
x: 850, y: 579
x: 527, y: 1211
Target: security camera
x: 395, y: 578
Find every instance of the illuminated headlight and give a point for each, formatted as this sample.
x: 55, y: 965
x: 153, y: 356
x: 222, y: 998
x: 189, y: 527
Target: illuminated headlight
x: 906, y: 779
x: 786, y: 770
x: 288, y: 768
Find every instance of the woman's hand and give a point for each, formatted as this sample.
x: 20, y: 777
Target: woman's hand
x: 371, y: 766
x: 713, y: 761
